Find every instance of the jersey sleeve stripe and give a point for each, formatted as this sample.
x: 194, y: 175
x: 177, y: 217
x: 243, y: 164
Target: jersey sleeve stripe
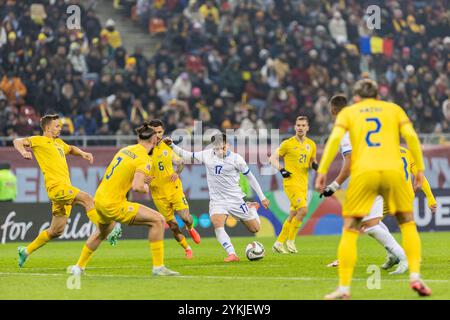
x: 246, y: 172
x: 346, y: 152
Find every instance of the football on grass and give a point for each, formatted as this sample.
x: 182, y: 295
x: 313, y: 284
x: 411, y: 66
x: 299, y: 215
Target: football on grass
x: 254, y: 251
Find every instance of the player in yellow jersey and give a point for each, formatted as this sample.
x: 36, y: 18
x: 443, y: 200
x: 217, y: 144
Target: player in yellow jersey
x: 129, y: 170
x: 167, y: 189
x: 50, y: 152
x: 372, y: 224
x: 375, y: 127
x: 299, y: 155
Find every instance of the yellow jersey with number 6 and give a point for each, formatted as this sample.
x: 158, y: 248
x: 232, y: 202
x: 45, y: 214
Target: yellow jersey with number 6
x: 297, y: 157
x: 51, y: 157
x: 162, y: 169
x: 374, y: 127
x: 120, y: 173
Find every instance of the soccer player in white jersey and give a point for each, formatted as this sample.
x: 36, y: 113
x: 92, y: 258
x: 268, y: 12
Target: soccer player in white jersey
x: 371, y: 224
x: 223, y: 168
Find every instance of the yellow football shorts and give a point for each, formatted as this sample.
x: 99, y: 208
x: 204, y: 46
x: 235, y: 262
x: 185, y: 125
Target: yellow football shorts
x: 365, y: 186
x: 62, y: 197
x: 297, y: 197
x: 168, y: 205
x: 124, y: 212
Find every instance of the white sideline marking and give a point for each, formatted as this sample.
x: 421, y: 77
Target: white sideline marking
x: 146, y: 267
x: 207, y: 277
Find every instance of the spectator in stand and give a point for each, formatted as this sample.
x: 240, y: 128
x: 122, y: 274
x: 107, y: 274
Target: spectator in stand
x: 112, y: 34
x: 13, y: 87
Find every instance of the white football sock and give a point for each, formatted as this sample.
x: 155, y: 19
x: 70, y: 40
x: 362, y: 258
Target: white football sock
x: 381, y: 224
x: 385, y: 238
x: 224, y: 240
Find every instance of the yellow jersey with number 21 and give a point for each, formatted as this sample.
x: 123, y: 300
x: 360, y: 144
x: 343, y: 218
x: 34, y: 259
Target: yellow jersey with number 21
x: 297, y: 157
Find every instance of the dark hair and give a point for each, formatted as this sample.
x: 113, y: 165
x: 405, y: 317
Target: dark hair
x: 219, y: 139
x: 302, y: 118
x: 156, y: 123
x: 366, y: 88
x: 47, y: 119
x: 338, y: 102
x: 145, y: 131
x: 5, y: 166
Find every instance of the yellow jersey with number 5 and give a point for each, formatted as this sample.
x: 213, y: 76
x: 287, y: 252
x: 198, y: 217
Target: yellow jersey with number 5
x: 297, y: 157
x: 51, y: 157
x: 162, y: 170
x: 374, y: 127
x: 119, y: 174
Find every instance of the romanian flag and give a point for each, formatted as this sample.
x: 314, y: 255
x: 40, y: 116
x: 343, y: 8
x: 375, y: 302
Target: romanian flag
x: 376, y: 45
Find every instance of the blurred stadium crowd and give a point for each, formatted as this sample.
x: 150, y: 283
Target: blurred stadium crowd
x: 232, y: 64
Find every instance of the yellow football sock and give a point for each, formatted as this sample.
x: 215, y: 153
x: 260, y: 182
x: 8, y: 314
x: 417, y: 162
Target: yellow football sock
x: 85, y: 256
x: 183, y: 243
x: 284, y: 231
x: 93, y: 216
x: 40, y: 240
x: 347, y: 253
x: 412, y: 245
x: 293, y: 228
x: 157, y: 250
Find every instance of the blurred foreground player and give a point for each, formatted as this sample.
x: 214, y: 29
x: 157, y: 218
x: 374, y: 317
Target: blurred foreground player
x: 375, y: 127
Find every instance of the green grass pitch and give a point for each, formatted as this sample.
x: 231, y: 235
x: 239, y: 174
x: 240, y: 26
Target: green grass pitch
x: 124, y: 271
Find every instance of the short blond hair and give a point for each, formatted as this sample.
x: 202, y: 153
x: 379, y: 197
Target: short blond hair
x: 366, y: 88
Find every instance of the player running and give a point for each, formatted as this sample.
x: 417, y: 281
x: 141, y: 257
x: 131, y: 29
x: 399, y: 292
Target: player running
x: 129, y: 169
x: 372, y: 224
x: 167, y: 189
x: 223, y: 169
x: 50, y: 152
x: 299, y: 154
x: 376, y: 169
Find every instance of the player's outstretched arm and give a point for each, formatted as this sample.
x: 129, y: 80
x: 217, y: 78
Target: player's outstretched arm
x: 139, y: 183
x: 427, y: 190
x: 340, y: 179
x: 274, y: 161
x: 331, y: 148
x: 180, y: 167
x: 75, y: 151
x: 20, y: 144
x: 185, y: 155
x: 412, y: 140
x: 257, y: 188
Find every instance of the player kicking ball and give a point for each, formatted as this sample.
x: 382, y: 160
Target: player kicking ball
x: 167, y: 189
x: 50, y: 152
x: 372, y: 224
x: 375, y: 127
x: 223, y: 169
x: 129, y: 170
x: 299, y: 154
